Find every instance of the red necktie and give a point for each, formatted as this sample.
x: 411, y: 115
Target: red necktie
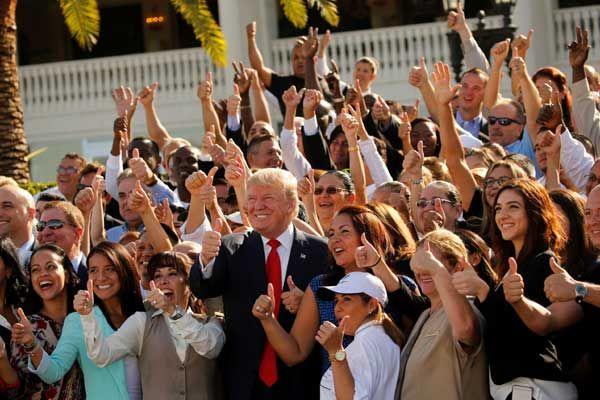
x: 268, y: 363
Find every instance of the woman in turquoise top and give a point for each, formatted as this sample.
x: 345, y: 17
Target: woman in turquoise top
x: 117, y: 296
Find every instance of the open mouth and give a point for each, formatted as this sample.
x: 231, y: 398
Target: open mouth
x: 338, y: 250
x: 103, y: 287
x: 45, y: 285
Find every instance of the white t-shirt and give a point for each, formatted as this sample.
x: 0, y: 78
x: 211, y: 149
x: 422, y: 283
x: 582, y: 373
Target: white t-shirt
x: 374, y: 360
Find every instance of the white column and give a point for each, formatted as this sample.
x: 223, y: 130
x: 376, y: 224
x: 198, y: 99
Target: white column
x: 537, y: 15
x: 235, y: 33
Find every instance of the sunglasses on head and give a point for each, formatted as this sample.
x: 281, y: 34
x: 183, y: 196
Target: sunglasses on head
x: 330, y: 190
x: 53, y: 224
x: 502, y: 121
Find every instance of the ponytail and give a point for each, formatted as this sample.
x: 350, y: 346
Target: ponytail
x: 390, y: 328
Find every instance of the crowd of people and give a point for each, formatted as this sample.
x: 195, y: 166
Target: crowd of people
x: 368, y: 250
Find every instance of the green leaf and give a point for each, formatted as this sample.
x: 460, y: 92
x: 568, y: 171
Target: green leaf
x: 83, y: 21
x: 328, y: 10
x: 206, y: 29
x: 295, y: 11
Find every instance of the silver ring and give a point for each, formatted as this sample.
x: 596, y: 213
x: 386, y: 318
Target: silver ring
x: 259, y: 309
x: 153, y: 302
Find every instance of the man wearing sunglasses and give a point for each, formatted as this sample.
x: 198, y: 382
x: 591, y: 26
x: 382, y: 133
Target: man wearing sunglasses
x: 61, y: 224
x: 17, y: 213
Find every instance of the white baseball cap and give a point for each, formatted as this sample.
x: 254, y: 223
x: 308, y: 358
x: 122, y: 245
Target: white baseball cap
x: 360, y: 282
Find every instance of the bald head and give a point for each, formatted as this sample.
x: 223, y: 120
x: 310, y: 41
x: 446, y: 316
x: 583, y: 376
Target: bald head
x: 17, y: 213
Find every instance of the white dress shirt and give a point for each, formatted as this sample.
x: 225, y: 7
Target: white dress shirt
x: 76, y: 262
x: 24, y: 251
x: 294, y: 160
x: 374, y: 361
x: 207, y: 339
x: 286, y: 239
x: 197, y: 235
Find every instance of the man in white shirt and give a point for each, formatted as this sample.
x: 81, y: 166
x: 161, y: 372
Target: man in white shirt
x: 17, y: 213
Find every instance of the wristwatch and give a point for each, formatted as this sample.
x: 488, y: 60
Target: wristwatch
x: 580, y: 292
x: 177, y: 314
x: 338, y: 356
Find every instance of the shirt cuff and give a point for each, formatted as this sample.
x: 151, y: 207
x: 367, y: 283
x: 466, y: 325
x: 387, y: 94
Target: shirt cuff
x: 44, y: 364
x: 233, y: 122
x: 198, y: 233
x: 310, y: 126
x: 114, y: 162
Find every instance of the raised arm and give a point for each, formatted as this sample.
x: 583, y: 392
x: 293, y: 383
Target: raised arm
x: 531, y: 97
x: 474, y: 56
x: 157, y: 132
x: 209, y: 114
x: 261, y: 107
x: 492, y: 89
x: 139, y: 202
x: 351, y: 124
x: 450, y: 141
x: 126, y: 104
x: 551, y: 144
x: 256, y: 60
x: 419, y: 78
x: 309, y: 52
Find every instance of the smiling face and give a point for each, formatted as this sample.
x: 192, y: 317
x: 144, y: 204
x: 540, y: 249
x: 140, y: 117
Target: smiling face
x: 494, y: 180
x: 104, y: 274
x: 298, y: 62
x: 504, y: 135
x: 592, y: 217
x: 67, y: 176
x: 66, y: 237
x: 266, y: 154
x: 125, y: 188
x: 427, y: 217
x: 363, y: 71
x: 16, y: 215
x: 184, y: 162
x: 511, y: 218
x: 48, y: 276
x: 471, y: 93
x: 593, y: 178
x: 173, y: 285
x: 343, y: 241
x: 424, y: 131
x: 356, y: 308
x: 269, y: 209
x: 338, y: 149
x: 327, y: 203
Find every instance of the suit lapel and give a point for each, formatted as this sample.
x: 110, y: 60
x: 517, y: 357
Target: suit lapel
x: 255, y: 263
x: 297, y: 258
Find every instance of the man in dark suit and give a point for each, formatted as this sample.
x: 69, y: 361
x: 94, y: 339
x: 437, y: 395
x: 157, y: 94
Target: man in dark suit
x: 240, y: 267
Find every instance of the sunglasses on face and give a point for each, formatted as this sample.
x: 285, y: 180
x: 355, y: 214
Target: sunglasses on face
x: 53, y: 224
x: 502, y: 121
x: 66, y: 170
x: 424, y: 203
x: 331, y: 190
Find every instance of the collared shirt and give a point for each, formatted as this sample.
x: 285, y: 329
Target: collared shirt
x: 525, y: 147
x: 374, y: 361
x: 25, y: 251
x: 76, y: 262
x: 115, y: 233
x: 286, y: 239
x: 206, y: 338
x: 473, y: 126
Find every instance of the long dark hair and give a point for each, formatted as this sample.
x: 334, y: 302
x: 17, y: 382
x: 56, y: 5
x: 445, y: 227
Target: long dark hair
x: 579, y: 252
x: 34, y: 302
x: 16, y: 281
x: 476, y: 245
x: 544, y: 231
x: 364, y: 221
x: 129, y: 294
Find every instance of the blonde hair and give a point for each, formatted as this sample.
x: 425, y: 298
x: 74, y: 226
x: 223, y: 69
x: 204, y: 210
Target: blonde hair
x: 7, y: 181
x: 277, y: 177
x: 73, y: 215
x: 449, y: 244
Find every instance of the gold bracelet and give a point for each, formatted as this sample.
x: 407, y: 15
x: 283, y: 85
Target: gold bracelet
x: 353, y: 148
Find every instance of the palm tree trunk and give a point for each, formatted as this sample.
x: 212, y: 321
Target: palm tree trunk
x: 13, y: 145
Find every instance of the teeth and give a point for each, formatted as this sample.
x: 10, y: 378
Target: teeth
x: 103, y: 287
x: 45, y: 284
x: 338, y: 250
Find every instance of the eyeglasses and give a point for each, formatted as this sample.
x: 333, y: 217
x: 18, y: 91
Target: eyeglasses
x: 592, y: 178
x: 81, y: 186
x: 422, y: 203
x: 489, y: 182
x: 330, y: 190
x: 502, y: 121
x: 53, y: 224
x: 66, y: 170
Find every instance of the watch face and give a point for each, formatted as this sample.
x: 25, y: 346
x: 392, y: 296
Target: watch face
x: 340, y: 355
x: 580, y: 290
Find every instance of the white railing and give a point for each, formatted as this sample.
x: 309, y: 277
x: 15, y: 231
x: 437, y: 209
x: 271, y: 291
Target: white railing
x: 565, y: 22
x: 87, y: 84
x: 397, y: 48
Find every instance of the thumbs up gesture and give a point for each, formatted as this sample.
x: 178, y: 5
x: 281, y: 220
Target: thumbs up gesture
x: 292, y: 298
x: 138, y: 200
x: 234, y: 101
x: 265, y: 304
x: 559, y: 286
x: 423, y: 261
x: 140, y: 169
x: 466, y: 281
x: 512, y: 283
x: 331, y: 337
x: 205, y: 88
x: 211, y: 243
x: 366, y: 256
x: 158, y: 300
x: 22, y: 332
x: 84, y: 299
x: 207, y: 193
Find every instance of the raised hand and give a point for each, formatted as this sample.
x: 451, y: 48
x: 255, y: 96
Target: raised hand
x: 292, y: 298
x: 444, y: 92
x: 164, y: 214
x: 194, y: 183
x: 423, y: 261
x: 551, y: 142
x: 138, y: 200
x: 413, y: 161
x: 512, y: 283
x: 234, y: 101
x: 312, y: 98
x: 517, y: 65
x: 381, y: 111
x: 333, y: 80
x: 265, y: 304
x: 209, y: 139
x: 404, y: 127
x: 579, y: 49
x: 251, y: 30
x: 22, y: 331
x: 241, y: 77
x: 306, y: 187
x: 140, y: 169
x: 436, y: 219
x: 291, y: 98
x: 146, y: 95
x: 158, y: 300
x: 559, y: 286
x: 211, y: 243
x: 456, y: 19
x: 366, y: 256
x: 418, y: 76
x: 545, y: 91
x: 331, y: 337
x: 324, y: 43
x: 207, y: 193
x: 468, y: 283
x: 125, y: 101
x: 522, y: 43
x: 235, y: 173
x: 350, y: 126
x: 205, y: 88
x: 499, y: 52
x: 310, y: 46
x: 232, y: 150
x: 83, y: 302
x: 412, y: 111
x: 85, y: 200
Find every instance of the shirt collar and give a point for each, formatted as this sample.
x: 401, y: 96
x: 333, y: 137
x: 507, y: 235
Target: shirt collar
x: 365, y: 326
x: 460, y: 120
x: 285, y: 239
x: 76, y: 261
x: 26, y: 246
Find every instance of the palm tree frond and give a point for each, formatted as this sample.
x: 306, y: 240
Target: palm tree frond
x: 83, y: 20
x: 328, y: 10
x: 206, y: 29
x: 295, y: 11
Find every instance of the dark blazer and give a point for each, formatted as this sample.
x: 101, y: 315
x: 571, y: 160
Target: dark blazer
x: 239, y: 276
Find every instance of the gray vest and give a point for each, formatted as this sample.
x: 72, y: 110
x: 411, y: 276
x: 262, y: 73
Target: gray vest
x: 163, y: 375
